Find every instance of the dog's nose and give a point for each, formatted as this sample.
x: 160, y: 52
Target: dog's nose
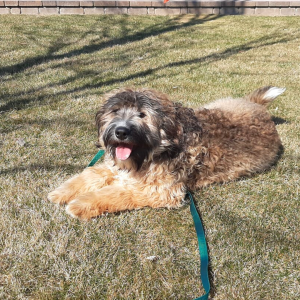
x: 122, y: 133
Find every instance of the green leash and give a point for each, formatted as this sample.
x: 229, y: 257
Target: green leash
x: 202, y: 248
x: 200, y: 236
x: 96, y: 157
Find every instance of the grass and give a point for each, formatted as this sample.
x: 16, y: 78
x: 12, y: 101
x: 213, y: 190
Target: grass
x: 54, y: 71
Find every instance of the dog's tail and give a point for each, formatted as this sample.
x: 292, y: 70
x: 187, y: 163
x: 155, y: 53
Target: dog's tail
x: 265, y: 95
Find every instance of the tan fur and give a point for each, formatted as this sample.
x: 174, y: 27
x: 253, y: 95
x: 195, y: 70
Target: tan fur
x: 224, y: 140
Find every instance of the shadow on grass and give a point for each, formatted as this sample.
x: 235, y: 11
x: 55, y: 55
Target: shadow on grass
x: 279, y: 121
x: 37, y: 96
x: 169, y: 25
x: 105, y: 40
x: 71, y: 120
x: 20, y: 100
x: 44, y: 166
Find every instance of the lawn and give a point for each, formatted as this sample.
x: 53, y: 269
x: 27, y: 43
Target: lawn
x: 54, y: 71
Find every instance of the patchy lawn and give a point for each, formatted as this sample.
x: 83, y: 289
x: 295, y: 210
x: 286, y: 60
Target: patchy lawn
x: 53, y: 72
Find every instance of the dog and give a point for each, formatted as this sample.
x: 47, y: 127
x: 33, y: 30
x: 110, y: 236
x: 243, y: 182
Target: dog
x: 157, y: 149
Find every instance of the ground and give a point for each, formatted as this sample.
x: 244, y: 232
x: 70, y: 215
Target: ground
x: 54, y: 71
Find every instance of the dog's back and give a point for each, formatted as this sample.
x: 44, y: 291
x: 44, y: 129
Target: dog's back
x: 239, y: 136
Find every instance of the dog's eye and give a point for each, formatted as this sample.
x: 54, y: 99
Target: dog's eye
x: 142, y: 115
x: 115, y: 110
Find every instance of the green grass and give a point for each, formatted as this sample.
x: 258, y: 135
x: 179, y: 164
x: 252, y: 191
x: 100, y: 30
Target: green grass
x: 54, y: 71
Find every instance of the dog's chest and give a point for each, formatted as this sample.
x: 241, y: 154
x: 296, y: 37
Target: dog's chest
x: 123, y: 177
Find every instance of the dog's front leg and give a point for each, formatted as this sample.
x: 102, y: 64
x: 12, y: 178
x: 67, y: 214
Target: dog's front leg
x: 90, y: 179
x: 116, y: 198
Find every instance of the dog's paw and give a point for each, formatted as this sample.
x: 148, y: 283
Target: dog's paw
x: 82, y: 210
x: 58, y: 196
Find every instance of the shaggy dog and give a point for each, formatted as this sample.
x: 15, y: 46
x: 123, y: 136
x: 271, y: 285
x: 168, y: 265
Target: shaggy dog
x: 156, y: 150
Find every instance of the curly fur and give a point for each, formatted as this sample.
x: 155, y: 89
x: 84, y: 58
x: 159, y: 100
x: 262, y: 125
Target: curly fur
x: 172, y: 149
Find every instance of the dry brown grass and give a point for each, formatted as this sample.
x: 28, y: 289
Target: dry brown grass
x: 54, y: 70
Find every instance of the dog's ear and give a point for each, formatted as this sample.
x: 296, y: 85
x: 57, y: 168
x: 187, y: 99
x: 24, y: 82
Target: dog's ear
x: 164, y: 110
x: 170, y: 126
x: 98, y: 116
x: 99, y: 123
x: 190, y: 127
x: 170, y: 130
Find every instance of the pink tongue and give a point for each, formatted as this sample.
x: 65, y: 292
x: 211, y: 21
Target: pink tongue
x: 122, y: 152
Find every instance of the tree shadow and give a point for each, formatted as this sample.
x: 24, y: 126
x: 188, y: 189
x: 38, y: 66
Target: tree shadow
x: 55, y: 53
x: 97, y: 45
x: 99, y: 81
x: 43, y: 122
x: 45, y: 166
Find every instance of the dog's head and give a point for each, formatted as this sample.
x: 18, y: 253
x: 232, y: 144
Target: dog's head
x: 139, y: 126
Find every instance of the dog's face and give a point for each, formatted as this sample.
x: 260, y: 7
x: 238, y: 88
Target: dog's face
x: 138, y: 126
